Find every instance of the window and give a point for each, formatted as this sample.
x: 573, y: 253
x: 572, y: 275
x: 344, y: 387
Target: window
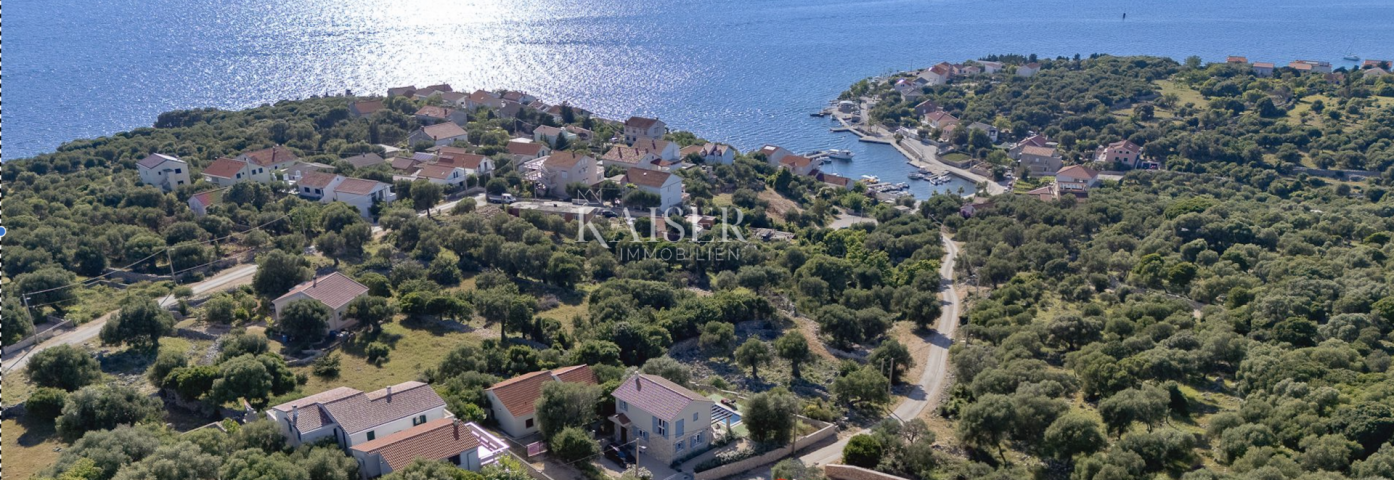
x: 694, y: 416
x: 696, y: 439
x: 372, y: 435
x: 528, y: 424
x: 418, y: 420
x: 624, y: 406
x: 663, y: 427
x: 455, y: 460
x: 677, y: 448
x: 178, y: 170
x: 680, y: 426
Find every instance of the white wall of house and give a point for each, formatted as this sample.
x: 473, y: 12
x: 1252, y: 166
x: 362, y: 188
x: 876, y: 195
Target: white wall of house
x: 663, y: 441
x: 395, y: 426
x: 670, y: 193
x: 283, y: 420
x: 336, y: 317
x: 516, y: 427
x: 364, y: 203
x: 168, y: 175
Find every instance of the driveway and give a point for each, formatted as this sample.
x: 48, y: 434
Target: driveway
x: 86, y: 332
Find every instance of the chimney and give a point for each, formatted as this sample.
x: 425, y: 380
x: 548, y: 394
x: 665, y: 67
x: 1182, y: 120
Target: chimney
x: 316, y: 284
x: 295, y: 415
x: 637, y: 384
x: 389, y: 393
x: 457, y: 428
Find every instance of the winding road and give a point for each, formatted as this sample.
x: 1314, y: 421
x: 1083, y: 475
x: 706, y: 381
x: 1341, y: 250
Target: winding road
x: 931, y: 384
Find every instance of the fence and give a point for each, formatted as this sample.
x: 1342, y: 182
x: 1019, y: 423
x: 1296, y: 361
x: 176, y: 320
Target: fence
x: 825, y: 430
x: 848, y: 472
x: 39, y: 336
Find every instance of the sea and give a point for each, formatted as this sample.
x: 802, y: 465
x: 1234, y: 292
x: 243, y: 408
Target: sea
x: 746, y: 72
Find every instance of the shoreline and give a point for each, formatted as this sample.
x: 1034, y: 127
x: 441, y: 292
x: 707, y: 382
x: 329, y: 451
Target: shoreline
x: 918, y: 159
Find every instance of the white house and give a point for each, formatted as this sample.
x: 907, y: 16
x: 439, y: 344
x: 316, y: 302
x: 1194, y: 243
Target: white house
x: 663, y: 149
x: 316, y: 185
x: 473, y: 164
x: 334, y: 290
x: 352, y: 417
x: 262, y: 164
x: 225, y: 172
x: 773, y: 153
x: 549, y: 134
x: 163, y: 171
x: 431, y: 114
x: 523, y: 151
x: 363, y: 194
x: 440, y: 134
x: 667, y: 186
x: 711, y: 153
x: 512, y: 400
x: 666, y: 419
x: 443, y: 174
x: 1076, y: 179
x: 1028, y: 69
x: 991, y: 67
x: 798, y: 164
x: 639, y: 127
x: 200, y: 202
x: 937, y: 75
x: 464, y: 445
x: 628, y: 157
x: 562, y: 168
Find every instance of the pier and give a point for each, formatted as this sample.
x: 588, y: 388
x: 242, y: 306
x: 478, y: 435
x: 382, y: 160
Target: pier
x: 922, y: 156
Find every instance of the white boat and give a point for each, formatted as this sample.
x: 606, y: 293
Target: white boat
x: 840, y: 154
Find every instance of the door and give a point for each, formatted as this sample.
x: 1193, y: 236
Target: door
x: 624, y: 435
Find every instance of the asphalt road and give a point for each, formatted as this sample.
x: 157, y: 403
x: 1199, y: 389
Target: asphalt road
x: 931, y: 383
x: 88, y: 331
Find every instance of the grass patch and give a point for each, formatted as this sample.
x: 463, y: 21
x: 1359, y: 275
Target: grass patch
x: 417, y: 345
x: 955, y: 157
x: 1183, y: 93
x: 29, y: 447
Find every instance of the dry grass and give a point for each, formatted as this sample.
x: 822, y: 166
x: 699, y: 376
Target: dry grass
x: 778, y: 205
x: 417, y: 345
x: 1183, y: 93
x: 29, y: 447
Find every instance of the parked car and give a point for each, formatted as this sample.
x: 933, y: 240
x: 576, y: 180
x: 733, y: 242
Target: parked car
x: 619, y: 456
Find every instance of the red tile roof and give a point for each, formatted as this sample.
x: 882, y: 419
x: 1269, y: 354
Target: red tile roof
x: 562, y: 159
x: 357, y: 186
x: 656, y: 395
x: 367, y: 107
x: 1077, y: 171
x: 795, y: 161
x: 335, y: 289
x: 433, y: 111
x: 443, y: 130
x: 641, y: 123
x: 646, y: 178
x: 1038, y: 151
x: 524, y: 148
x: 271, y: 156
x: 224, y: 168
x: 467, y: 160
x: 439, y: 172
x: 316, y: 179
x: 623, y: 154
x: 434, y: 440
x: 519, y: 394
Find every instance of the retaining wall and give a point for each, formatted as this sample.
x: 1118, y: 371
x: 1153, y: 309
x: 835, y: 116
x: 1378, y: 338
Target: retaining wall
x: 825, y: 430
x: 848, y: 472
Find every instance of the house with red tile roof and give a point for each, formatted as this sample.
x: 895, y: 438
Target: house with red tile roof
x: 165, y: 171
x: 668, y: 419
x: 406, y: 91
x: 512, y: 400
x: 1122, y: 152
x: 1075, y: 178
x: 628, y: 157
x: 226, y: 172
x: 315, y: 185
x: 1263, y: 69
x: 523, y: 151
x: 1028, y: 69
x: 474, y: 164
x: 363, y: 194
x: 835, y: 180
x: 440, y: 134
x: 1237, y: 59
x: 464, y: 445
x: 443, y: 174
x: 667, y: 186
x: 334, y: 290
x: 773, y: 153
x: 798, y: 164
x: 1040, y: 160
x: 711, y: 153
x: 938, y: 75
x: 432, y: 114
x: 364, y: 108
x: 200, y: 202
x: 564, y: 168
x: 263, y: 164
x: 352, y: 417
x: 640, y: 127
x: 940, y: 120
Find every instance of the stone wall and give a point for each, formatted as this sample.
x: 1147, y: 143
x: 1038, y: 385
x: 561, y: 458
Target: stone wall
x: 848, y: 472
x: 825, y: 431
x: 45, y: 333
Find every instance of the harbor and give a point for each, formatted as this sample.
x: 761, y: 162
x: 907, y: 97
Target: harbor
x: 919, y: 173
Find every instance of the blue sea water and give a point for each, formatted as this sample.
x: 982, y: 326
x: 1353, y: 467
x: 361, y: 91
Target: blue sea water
x: 746, y: 72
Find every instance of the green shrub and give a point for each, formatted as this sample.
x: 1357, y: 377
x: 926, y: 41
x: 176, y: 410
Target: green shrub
x: 46, y: 403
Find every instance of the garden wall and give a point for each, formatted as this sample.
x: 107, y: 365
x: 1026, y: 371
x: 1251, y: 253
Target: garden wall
x: 825, y: 431
x: 848, y: 472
